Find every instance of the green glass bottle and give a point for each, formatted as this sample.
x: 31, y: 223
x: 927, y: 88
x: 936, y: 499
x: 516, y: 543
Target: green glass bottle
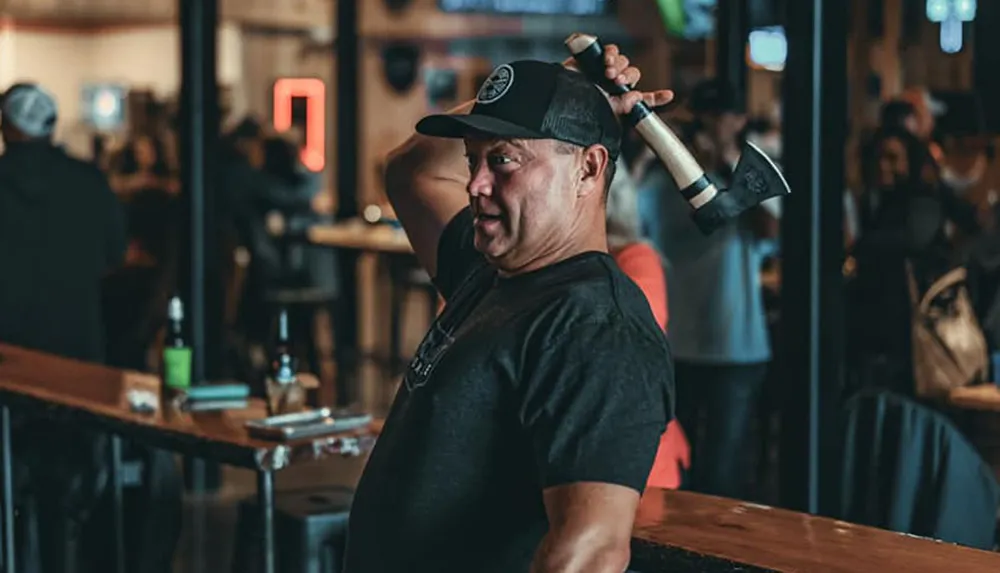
x: 176, y: 352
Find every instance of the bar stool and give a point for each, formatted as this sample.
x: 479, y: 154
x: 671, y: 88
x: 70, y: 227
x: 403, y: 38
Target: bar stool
x: 310, y: 529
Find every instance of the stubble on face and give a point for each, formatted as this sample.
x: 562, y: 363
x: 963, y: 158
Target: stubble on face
x: 522, y: 198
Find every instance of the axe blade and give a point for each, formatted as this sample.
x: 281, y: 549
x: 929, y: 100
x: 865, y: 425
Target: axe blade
x: 755, y: 179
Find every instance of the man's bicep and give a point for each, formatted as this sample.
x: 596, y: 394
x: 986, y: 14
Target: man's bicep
x: 425, y: 180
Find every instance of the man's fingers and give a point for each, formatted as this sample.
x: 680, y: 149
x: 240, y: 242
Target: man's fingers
x: 629, y: 77
x: 658, y: 98
x: 629, y: 100
x: 610, y: 53
x: 619, y: 65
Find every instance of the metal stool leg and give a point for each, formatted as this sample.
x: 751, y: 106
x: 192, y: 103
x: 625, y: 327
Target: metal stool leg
x: 119, y: 502
x: 265, y: 500
x: 8, y: 490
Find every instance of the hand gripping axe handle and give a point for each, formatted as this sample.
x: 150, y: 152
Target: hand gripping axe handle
x: 755, y: 179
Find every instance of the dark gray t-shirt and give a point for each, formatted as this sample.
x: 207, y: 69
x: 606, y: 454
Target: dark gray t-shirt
x: 557, y: 376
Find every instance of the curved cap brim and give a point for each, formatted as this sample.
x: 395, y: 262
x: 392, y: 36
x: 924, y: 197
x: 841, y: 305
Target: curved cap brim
x: 461, y: 125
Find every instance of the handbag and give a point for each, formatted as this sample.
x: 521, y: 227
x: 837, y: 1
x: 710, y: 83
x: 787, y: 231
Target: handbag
x: 949, y: 348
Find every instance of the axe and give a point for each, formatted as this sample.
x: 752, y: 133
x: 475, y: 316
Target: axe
x: 755, y: 179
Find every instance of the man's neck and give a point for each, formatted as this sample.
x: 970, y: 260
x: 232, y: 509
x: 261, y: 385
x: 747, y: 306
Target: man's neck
x: 579, y: 243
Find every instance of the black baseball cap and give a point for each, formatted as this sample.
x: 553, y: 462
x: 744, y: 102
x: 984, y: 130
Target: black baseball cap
x: 529, y: 99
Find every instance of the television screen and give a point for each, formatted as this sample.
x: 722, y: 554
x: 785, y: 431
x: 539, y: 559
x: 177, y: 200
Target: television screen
x: 552, y: 7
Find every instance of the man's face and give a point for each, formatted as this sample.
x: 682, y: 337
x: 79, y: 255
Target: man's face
x: 524, y: 198
x: 893, y: 163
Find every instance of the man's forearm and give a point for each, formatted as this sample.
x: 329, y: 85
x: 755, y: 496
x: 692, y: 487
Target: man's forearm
x: 420, y: 153
x: 425, y: 180
x: 562, y: 554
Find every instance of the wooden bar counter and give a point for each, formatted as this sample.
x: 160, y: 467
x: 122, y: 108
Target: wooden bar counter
x: 58, y: 389
x: 98, y: 396
x: 680, y: 532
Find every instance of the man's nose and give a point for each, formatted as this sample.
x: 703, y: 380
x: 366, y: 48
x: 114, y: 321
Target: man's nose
x: 481, y: 182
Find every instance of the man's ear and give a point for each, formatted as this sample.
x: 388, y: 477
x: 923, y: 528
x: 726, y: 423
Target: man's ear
x: 593, y: 167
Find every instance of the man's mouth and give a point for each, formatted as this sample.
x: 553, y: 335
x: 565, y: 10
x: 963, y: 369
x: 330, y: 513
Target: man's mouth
x: 487, y: 220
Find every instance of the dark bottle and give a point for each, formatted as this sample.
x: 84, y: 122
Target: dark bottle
x: 176, y: 352
x: 285, y: 393
x: 283, y: 365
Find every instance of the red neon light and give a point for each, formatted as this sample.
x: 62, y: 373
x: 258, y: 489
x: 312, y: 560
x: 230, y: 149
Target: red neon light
x: 313, y: 155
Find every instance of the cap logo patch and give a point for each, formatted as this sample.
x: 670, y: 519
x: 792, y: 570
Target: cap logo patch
x: 496, y: 85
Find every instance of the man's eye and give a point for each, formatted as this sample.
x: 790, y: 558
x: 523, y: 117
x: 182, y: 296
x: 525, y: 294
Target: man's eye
x: 499, y: 160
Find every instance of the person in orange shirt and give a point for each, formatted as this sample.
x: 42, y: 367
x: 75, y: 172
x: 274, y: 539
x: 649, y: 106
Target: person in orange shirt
x: 643, y: 264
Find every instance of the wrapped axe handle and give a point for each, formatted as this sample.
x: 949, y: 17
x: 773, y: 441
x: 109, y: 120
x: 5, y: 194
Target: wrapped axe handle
x: 689, y: 176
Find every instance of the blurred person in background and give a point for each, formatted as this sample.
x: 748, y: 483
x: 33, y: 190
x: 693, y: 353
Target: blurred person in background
x: 61, y: 211
x: 136, y: 295
x: 61, y: 231
x: 636, y: 257
x: 905, y: 217
x: 303, y: 203
x: 899, y: 115
x: 925, y: 108
x: 261, y: 177
x: 642, y: 263
x: 718, y: 327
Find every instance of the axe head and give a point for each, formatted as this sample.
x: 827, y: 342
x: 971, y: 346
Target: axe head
x: 755, y: 179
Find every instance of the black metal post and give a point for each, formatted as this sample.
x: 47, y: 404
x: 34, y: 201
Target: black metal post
x: 811, y: 347
x: 348, y: 58
x: 732, y: 28
x: 985, y: 61
x: 198, y: 108
x: 199, y: 127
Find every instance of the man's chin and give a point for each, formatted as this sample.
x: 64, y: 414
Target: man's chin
x: 489, y: 247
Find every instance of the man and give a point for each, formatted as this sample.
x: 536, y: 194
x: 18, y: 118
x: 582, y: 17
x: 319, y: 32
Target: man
x: 527, y: 422
x: 899, y: 115
x: 718, y: 328
x: 61, y: 231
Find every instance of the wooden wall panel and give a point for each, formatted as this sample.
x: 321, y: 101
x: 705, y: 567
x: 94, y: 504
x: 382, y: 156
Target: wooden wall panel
x: 654, y: 55
x: 421, y: 19
x: 388, y: 117
x: 267, y: 57
x: 924, y: 64
x: 288, y: 14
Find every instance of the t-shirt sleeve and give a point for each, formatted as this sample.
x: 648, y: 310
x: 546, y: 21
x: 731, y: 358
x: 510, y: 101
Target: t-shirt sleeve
x: 594, y: 404
x: 457, y: 256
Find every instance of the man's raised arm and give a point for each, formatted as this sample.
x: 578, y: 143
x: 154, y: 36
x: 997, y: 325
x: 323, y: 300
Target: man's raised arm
x: 425, y: 180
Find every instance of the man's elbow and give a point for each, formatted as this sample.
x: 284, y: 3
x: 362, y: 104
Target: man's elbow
x: 583, y: 556
x: 400, y: 167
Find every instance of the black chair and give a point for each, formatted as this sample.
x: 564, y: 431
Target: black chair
x: 907, y: 468
x: 310, y: 528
